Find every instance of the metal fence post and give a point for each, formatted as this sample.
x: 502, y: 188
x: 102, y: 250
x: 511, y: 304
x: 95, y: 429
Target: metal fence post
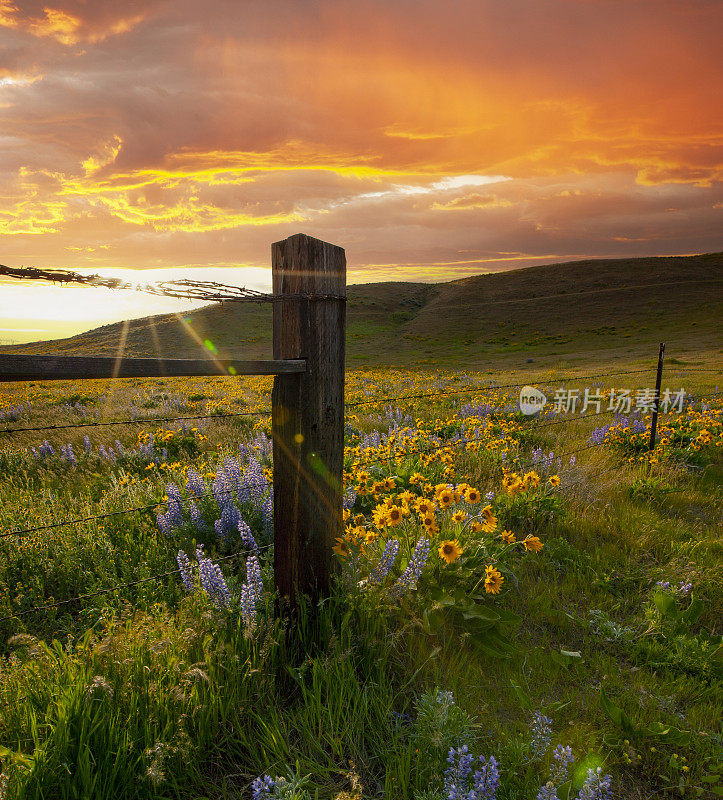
x: 309, y: 318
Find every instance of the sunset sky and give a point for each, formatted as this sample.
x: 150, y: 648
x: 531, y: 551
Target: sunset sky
x: 431, y: 139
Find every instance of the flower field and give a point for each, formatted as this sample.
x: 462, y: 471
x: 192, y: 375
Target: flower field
x: 524, y: 608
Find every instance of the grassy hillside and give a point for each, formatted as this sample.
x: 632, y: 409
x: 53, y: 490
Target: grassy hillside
x: 570, y: 313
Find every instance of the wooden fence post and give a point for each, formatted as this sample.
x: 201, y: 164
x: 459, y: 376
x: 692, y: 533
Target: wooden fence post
x: 309, y: 278
x: 656, y: 408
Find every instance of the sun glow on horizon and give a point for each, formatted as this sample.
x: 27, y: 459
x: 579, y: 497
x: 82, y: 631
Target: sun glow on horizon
x: 141, y: 136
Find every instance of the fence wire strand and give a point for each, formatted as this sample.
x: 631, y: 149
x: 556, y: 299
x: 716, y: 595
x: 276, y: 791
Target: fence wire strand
x: 137, y: 421
x: 105, y: 515
x: 121, y: 586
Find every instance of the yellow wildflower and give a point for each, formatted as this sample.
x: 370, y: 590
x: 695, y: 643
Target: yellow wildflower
x: 493, y: 580
x: 450, y: 550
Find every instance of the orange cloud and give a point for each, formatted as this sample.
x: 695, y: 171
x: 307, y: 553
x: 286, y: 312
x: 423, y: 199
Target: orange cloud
x: 472, y: 201
x: 373, y: 127
x: 62, y: 25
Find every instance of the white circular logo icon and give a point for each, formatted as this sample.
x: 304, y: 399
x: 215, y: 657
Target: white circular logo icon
x: 531, y: 400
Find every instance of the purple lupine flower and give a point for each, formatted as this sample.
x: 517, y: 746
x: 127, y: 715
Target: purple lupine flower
x: 195, y: 483
x: 175, y: 500
x: 221, y: 488
x: 262, y: 787
x: 599, y: 434
x: 245, y: 534
x: 197, y: 518
x: 457, y: 773
x: 562, y: 758
x: 229, y: 521
x: 349, y: 500
x: 164, y: 524
x: 253, y: 575
x: 685, y: 588
x: 541, y: 730
x: 213, y: 582
x: 445, y: 697
x: 119, y: 448
x: 248, y: 606
x: 547, y: 792
x: 251, y: 592
x: 184, y: 565
x: 66, y: 452
x: 597, y: 786
x: 665, y: 585
x: 408, y: 579
x: 46, y: 449
x: 267, y: 514
x: 486, y: 780
x: 388, y: 557
x: 253, y: 483
x: 87, y: 444
x: 232, y: 470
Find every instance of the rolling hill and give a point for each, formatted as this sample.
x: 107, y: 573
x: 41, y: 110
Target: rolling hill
x: 567, y: 313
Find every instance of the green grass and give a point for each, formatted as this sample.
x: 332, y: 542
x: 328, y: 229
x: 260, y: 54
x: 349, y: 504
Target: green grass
x: 559, y: 315
x: 151, y: 692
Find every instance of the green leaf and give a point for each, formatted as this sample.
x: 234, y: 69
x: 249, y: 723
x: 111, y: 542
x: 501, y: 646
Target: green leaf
x: 481, y: 612
x: 668, y: 732
x: 666, y: 604
x: 694, y: 610
x: 564, y: 791
x: 616, y: 714
x: 18, y: 758
x: 508, y: 616
x: 523, y: 697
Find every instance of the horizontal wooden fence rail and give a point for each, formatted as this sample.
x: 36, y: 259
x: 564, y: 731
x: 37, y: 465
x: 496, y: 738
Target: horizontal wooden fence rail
x: 47, y: 368
x: 309, y: 332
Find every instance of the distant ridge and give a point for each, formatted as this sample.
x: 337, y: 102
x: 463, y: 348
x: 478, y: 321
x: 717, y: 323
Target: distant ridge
x: 551, y: 312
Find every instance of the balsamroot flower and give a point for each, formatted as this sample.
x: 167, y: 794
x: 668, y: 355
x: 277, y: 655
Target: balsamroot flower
x: 493, y: 580
x: 450, y: 550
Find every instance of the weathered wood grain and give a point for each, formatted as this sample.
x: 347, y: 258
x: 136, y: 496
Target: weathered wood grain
x: 308, y: 413
x: 47, y: 368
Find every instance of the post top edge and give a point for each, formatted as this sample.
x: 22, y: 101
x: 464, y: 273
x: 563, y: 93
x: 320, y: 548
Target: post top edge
x: 295, y: 236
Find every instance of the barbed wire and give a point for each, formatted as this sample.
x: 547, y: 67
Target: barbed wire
x: 119, y: 586
x: 267, y: 412
x: 183, y: 289
x: 137, y: 421
x: 211, y: 291
x: 105, y: 515
x: 480, y: 389
x: 444, y: 445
